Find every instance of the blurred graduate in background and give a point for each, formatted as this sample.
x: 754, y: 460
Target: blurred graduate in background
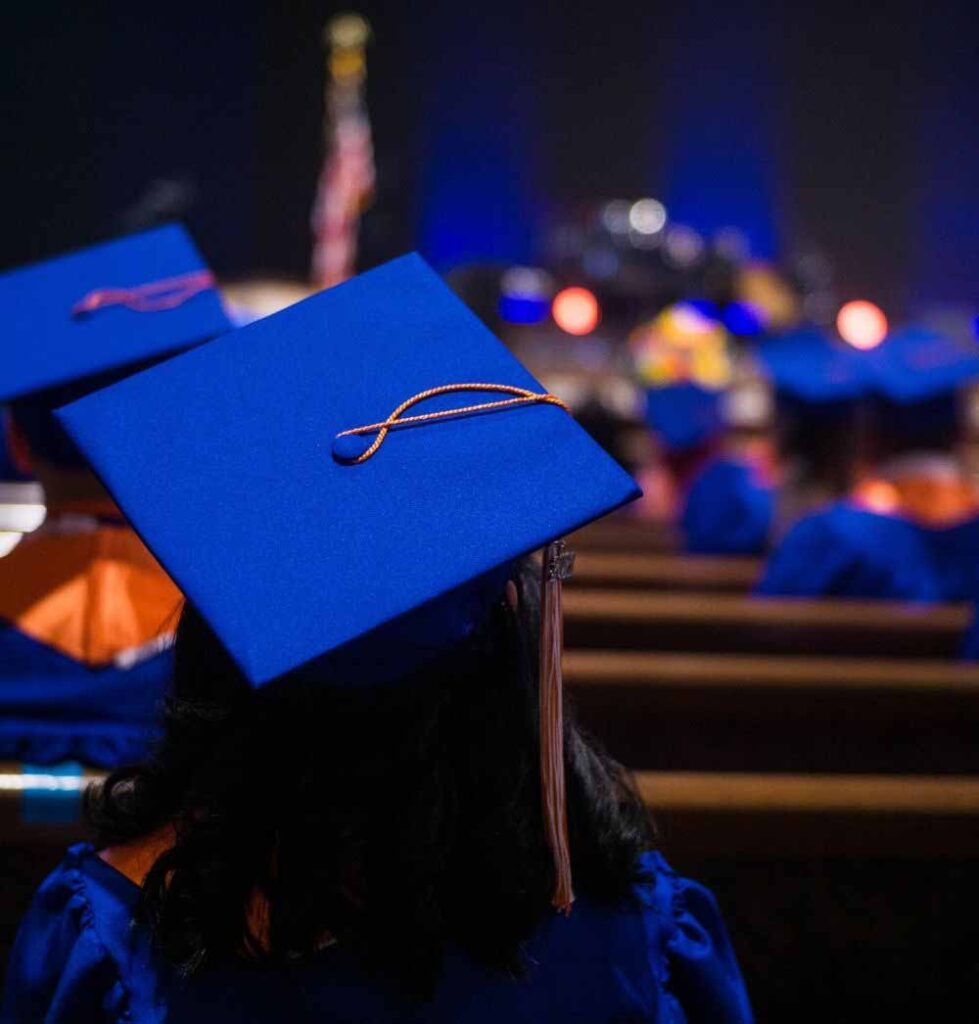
x: 86, y: 613
x: 743, y: 502
x: 717, y: 488
x: 682, y: 362
x: 909, y: 529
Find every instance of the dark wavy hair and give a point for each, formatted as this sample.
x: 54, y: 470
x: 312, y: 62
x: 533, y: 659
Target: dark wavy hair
x: 396, y: 820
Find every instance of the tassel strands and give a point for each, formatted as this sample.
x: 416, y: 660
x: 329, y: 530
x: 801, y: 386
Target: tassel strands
x: 557, y: 566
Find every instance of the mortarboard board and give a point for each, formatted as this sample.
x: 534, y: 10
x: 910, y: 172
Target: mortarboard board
x: 814, y: 367
x: 241, y: 465
x: 915, y: 364
x: 100, y: 309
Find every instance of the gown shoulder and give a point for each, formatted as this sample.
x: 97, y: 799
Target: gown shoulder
x: 665, y: 958
x: 77, y: 957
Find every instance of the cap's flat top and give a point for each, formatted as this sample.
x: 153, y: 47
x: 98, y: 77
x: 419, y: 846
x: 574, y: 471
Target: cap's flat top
x: 917, y: 363
x: 222, y: 460
x: 45, y: 345
x: 815, y: 366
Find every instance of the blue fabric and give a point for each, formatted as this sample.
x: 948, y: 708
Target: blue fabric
x: 45, y: 346
x: 970, y: 645
x: 917, y: 363
x: 684, y: 415
x: 290, y: 554
x: 53, y: 708
x: 844, y: 551
x: 727, y: 510
x: 912, y: 364
x: 815, y: 366
x: 667, y: 959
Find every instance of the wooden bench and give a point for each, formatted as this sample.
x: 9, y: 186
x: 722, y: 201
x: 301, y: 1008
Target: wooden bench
x: 747, y: 712
x: 805, y: 677
x: 712, y: 622
x: 664, y: 571
x: 621, y: 533
x: 814, y: 815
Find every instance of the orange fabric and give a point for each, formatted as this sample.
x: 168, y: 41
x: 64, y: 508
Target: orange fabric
x: 931, y: 501
x: 92, y: 595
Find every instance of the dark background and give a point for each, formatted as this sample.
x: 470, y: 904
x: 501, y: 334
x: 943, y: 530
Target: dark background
x: 848, y: 130
x: 842, y: 130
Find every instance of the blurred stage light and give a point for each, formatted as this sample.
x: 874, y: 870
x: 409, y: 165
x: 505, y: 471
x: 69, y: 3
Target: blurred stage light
x: 878, y: 496
x: 687, y: 322
x: 732, y: 244
x: 704, y: 306
x: 767, y: 291
x: 743, y: 319
x: 600, y: 263
x: 647, y: 216
x: 525, y: 295
x: 684, y: 246
x: 615, y: 217
x: 861, y: 324
x: 575, y: 311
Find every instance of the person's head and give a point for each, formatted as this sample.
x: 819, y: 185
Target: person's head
x: 931, y: 425
x: 820, y: 442
x: 396, y: 820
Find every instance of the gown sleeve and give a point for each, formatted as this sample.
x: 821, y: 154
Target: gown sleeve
x: 690, y: 953
x: 811, y: 561
x: 59, y: 971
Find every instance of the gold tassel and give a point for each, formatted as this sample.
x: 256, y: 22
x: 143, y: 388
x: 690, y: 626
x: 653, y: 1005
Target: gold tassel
x: 558, y: 563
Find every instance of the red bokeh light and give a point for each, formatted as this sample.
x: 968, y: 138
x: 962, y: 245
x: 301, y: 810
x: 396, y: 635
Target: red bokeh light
x: 575, y: 310
x: 861, y: 324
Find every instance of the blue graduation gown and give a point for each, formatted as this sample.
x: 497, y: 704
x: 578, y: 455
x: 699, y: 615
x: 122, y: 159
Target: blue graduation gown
x: 54, y: 708
x: 727, y: 511
x: 847, y: 551
x: 86, y: 619
x: 78, y: 958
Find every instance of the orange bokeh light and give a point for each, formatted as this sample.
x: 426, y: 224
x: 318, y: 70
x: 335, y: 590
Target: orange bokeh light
x: 575, y: 310
x: 861, y: 324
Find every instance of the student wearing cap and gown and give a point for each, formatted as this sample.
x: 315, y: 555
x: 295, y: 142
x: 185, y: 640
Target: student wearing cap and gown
x: 86, y: 613
x: 370, y: 802
x: 730, y: 505
x: 682, y: 365
x: 719, y: 498
x: 742, y: 504
x: 909, y: 530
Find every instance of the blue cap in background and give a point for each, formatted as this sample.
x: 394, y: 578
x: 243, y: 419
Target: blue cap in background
x: 815, y: 366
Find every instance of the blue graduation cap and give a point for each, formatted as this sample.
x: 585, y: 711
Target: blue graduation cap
x: 814, y: 366
x: 684, y: 415
x: 915, y: 364
x: 351, y: 477
x: 114, y: 305
x: 235, y: 463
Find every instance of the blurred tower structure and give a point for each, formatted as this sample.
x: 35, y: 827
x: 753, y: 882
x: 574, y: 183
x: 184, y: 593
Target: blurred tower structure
x: 346, y: 182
